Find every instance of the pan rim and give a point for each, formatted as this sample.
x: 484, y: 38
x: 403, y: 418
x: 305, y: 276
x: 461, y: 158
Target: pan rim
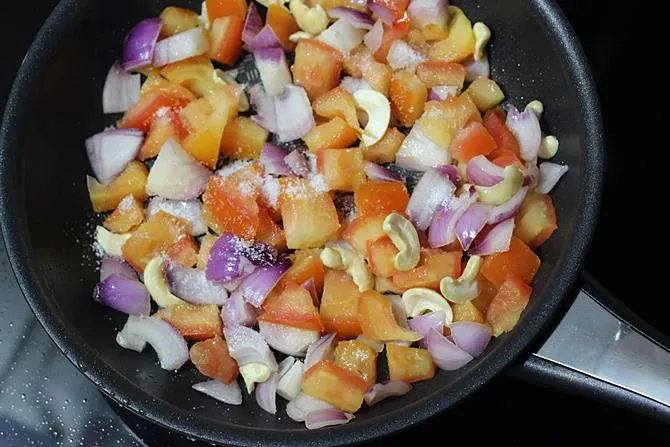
x: 12, y: 215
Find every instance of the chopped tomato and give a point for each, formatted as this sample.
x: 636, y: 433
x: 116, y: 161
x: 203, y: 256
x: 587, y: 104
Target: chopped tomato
x: 222, y: 8
x: 361, y: 63
x: 205, y: 247
x: 175, y: 20
x: 292, y: 307
x: 363, y: 230
x: 536, y: 219
x: 132, y: 181
x: 486, y: 293
x: 442, y: 120
x: 164, y: 127
x: 306, y: 265
x: 494, y: 121
x: 339, y: 305
x: 471, y: 141
x: 409, y: 364
x: 381, y: 255
x: 408, y: 97
x: 193, y: 322
x: 436, y: 73
x: 185, y: 251
x: 375, y: 314
x: 283, y: 24
x: 269, y: 232
x: 195, y: 114
x: 398, y: 7
x: 317, y: 67
x: 126, y: 216
x: 337, y: 103
x: 212, y: 359
x: 357, y: 357
x: 506, y: 307
x: 342, y: 169
x: 243, y: 139
x: 334, y: 134
x: 196, y: 74
x: 163, y: 95
x: 230, y: 207
x: 434, y: 265
x: 381, y: 198
x: 225, y: 39
x: 467, y: 311
x: 310, y: 218
x: 519, y: 261
x: 504, y: 158
x: 335, y: 385
x: 384, y: 150
x: 460, y: 42
x: 392, y: 33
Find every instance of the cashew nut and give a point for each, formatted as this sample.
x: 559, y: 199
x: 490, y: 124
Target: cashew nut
x: 340, y: 258
x: 111, y: 242
x: 254, y: 373
x: 537, y: 107
x: 221, y: 77
x: 295, y: 37
x: 267, y: 3
x: 466, y: 287
x: 549, y: 147
x: 312, y: 20
x: 482, y: 36
x: 419, y: 301
x: 504, y: 190
x: 405, y: 238
x: 378, y: 110
x: 154, y: 280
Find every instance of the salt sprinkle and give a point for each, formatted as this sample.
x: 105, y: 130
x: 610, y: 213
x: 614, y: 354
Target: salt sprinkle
x: 126, y: 204
x: 318, y: 183
x: 270, y: 188
x: 233, y: 167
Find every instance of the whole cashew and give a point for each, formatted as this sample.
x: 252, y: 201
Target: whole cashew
x: 482, y: 36
x: 504, y: 190
x: 111, y: 242
x: 340, y: 258
x: 549, y: 147
x: 405, y: 238
x: 419, y: 301
x: 466, y: 287
x: 312, y: 20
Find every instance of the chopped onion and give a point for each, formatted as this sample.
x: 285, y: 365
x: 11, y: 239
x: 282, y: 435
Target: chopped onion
x: 297, y: 163
x: 191, y: 285
x: 420, y: 153
x: 401, y: 56
x: 266, y: 394
x: 376, y: 172
x: 424, y: 323
x: 509, y: 208
x: 497, y: 240
x: 124, y: 294
x: 453, y: 174
x: 352, y: 85
x: 428, y: 12
x: 140, y: 43
x: 471, y: 337
x: 256, y: 287
x: 356, y: 18
x: 432, y: 190
x: 385, y: 14
x: 482, y: 172
x: 253, y: 24
x: 443, y: 226
x: 247, y: 346
x: 290, y: 379
x: 377, y: 345
x: 272, y: 159
x: 380, y: 391
x: 471, y: 223
x: 121, y: 90
x: 273, y: 69
x: 373, y: 38
x: 265, y: 109
x: 294, y: 114
x: 526, y: 129
x: 181, y: 46
x: 325, y: 418
x: 111, y: 265
x: 189, y: 210
x: 531, y: 175
x: 227, y: 259
x: 266, y: 38
x: 322, y: 349
x: 550, y: 174
x: 229, y: 393
x: 445, y: 353
x: 442, y: 92
x: 175, y: 175
x: 237, y: 312
x: 109, y: 152
x: 301, y: 406
x: 168, y: 343
x: 287, y: 339
x: 477, y: 69
x: 310, y: 286
x: 343, y: 36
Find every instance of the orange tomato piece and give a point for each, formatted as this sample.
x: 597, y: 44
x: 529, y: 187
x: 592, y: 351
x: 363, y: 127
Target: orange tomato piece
x: 434, y: 265
x: 467, y: 311
x: 283, y: 24
x: 163, y: 128
x: 357, y: 357
x: 398, y: 7
x: 342, y: 169
x: 206, y: 245
x: 317, y: 67
x: 175, y: 20
x: 270, y: 232
x: 408, y: 97
x: 335, y: 385
x: 505, y: 309
x: 193, y: 322
x: 222, y: 8
x: 230, y: 206
x: 243, y: 139
x: 435, y: 73
x: 361, y: 63
x: 471, y: 141
x: 519, y: 261
x: 333, y: 134
x: 132, y: 181
x: 381, y: 254
x: 443, y: 120
x: 486, y: 293
x: 494, y: 121
x: 536, y: 219
x: 310, y: 218
x: 127, y: 215
x: 212, y: 358
x: 162, y: 95
x: 375, y: 315
x: 185, y: 251
x: 459, y: 43
x: 385, y: 285
x: 392, y: 33
x: 384, y: 150
x: 337, y: 103
x: 339, y: 305
x: 225, y: 39
x: 505, y: 157
x: 364, y: 229
x: 292, y: 307
x: 306, y: 265
x: 381, y: 198
x: 196, y: 74
x: 409, y: 364
x: 195, y: 114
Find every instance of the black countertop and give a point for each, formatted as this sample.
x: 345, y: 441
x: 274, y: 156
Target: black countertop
x: 44, y: 400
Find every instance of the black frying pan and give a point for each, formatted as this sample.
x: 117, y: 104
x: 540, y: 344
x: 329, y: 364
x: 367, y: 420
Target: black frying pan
x: 47, y: 225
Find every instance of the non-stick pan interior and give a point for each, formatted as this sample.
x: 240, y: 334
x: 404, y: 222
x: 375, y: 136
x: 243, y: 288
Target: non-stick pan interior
x: 48, y: 220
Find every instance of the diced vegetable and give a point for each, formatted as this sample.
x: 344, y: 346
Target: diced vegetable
x: 381, y: 254
x: 385, y: 150
x: 375, y: 314
x: 132, y: 181
x: 438, y: 73
x: 270, y: 232
x: 306, y: 265
x: 164, y: 128
x: 339, y: 305
x: 393, y: 32
x: 222, y: 8
x: 467, y: 311
x: 175, y: 20
x: 494, y: 121
x: 212, y: 359
x: 335, y: 385
x: 192, y: 321
x: 381, y: 198
x: 408, y: 96
x: 225, y: 39
x: 196, y: 74
x: 334, y: 134
x: 409, y: 364
x: 185, y: 252
x: 519, y: 261
x: 363, y: 230
x: 536, y: 220
x: 243, y: 139
x: 485, y: 93
x: 165, y: 96
x: 337, y: 103
x: 361, y: 63
x: 460, y: 43
x: 292, y: 307
x: 471, y: 141
x: 433, y: 266
x: 127, y: 215
x: 506, y: 307
x: 310, y: 218
x: 342, y: 169
x: 317, y: 67
x: 357, y: 357
x: 282, y: 23
x: 443, y: 120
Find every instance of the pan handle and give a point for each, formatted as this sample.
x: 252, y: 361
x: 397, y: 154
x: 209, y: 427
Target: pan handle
x: 602, y: 350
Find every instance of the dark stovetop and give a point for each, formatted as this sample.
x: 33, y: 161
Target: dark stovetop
x: 44, y: 400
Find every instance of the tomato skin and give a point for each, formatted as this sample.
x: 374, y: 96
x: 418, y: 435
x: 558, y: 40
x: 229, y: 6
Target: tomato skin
x: 193, y: 322
x: 433, y: 266
x: 212, y: 358
x: 222, y: 8
x: 375, y: 314
x: 471, y: 141
x: 339, y: 305
x: 292, y: 307
x: 519, y: 261
x: 381, y: 198
x: 536, y: 219
x: 494, y: 121
x: 357, y: 357
x: 317, y: 67
x: 409, y: 364
x: 225, y: 39
x: 335, y: 385
x: 506, y: 307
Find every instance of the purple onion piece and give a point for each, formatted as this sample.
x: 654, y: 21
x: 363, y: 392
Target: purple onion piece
x: 124, y: 294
